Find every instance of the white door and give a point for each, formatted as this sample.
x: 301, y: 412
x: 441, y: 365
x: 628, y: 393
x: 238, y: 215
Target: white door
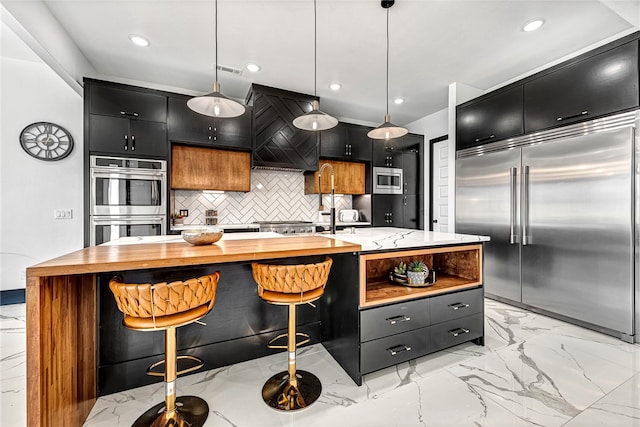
x: 440, y: 185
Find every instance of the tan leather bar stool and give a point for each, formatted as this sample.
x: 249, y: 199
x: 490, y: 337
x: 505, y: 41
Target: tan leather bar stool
x: 166, y: 306
x: 291, y: 285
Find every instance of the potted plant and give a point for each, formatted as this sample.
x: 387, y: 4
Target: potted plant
x: 417, y: 272
x: 399, y: 273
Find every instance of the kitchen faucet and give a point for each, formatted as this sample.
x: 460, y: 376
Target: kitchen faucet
x: 332, y: 212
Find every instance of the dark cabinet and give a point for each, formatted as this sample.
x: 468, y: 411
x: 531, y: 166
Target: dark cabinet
x: 583, y: 90
x: 346, y: 142
x: 126, y: 121
x: 125, y: 137
x: 411, y: 171
x: 277, y: 142
x: 489, y: 118
x: 187, y: 126
x: 388, y: 210
x: 127, y: 102
x: 387, y: 153
x: 411, y: 212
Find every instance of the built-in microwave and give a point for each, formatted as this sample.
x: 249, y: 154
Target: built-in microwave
x: 121, y: 186
x: 387, y: 180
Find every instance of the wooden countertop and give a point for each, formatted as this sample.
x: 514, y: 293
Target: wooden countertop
x: 98, y: 259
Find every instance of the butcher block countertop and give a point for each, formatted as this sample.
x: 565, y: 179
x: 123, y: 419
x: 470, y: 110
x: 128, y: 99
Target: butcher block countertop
x: 97, y: 259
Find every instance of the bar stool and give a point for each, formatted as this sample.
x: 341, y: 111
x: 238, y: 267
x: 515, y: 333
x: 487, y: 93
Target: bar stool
x: 166, y: 306
x: 291, y: 285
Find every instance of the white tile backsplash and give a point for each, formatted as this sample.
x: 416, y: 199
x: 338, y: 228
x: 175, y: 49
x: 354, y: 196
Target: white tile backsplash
x: 274, y: 196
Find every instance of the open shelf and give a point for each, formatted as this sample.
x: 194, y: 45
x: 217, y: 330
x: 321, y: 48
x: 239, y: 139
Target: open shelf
x: 456, y: 268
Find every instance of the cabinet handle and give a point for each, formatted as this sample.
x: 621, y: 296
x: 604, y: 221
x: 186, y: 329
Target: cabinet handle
x: 126, y: 143
x: 458, y: 305
x: 458, y: 331
x: 405, y: 200
x: 349, y: 149
x: 388, y: 148
x: 126, y: 113
x: 133, y: 143
x: 398, y: 349
x: 209, y: 128
x: 485, y: 138
x: 580, y: 114
x: 395, y: 319
x: 405, y: 186
x: 209, y: 137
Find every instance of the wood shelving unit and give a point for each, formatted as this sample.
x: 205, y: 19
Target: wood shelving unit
x: 457, y: 267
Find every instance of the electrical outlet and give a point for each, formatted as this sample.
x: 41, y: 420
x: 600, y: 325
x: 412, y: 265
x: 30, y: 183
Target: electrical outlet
x: 63, y: 213
x: 184, y: 212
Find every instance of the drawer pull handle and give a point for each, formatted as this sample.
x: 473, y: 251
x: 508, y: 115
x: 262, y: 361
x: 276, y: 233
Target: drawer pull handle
x: 580, y: 114
x: 485, y: 138
x: 458, y: 331
x: 395, y: 319
x: 458, y: 305
x: 126, y: 113
x: 398, y: 349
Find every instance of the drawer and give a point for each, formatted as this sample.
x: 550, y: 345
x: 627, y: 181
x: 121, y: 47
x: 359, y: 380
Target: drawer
x: 459, y: 304
x: 389, y: 351
x: 393, y: 319
x: 456, y: 331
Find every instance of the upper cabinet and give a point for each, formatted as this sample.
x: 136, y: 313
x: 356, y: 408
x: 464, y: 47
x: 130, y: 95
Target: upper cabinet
x: 349, y: 178
x: 277, y: 142
x: 582, y: 90
x: 200, y: 168
x: 346, y: 142
x: 490, y: 118
x: 387, y: 153
x: 125, y: 121
x: 187, y: 126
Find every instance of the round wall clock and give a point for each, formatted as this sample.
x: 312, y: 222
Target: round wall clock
x: 46, y: 141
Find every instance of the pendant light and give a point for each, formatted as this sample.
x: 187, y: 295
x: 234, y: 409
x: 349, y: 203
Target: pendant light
x: 387, y: 130
x: 315, y: 119
x: 216, y: 104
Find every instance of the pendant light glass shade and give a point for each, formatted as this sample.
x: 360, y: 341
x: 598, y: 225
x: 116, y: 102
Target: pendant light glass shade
x: 387, y: 130
x: 215, y: 104
x: 315, y: 119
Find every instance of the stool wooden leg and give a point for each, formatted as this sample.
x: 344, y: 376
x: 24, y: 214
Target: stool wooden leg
x: 292, y: 389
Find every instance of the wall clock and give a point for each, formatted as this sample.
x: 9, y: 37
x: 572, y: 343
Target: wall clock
x: 46, y: 141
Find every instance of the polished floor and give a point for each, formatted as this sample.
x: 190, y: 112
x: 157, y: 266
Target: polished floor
x: 533, y: 371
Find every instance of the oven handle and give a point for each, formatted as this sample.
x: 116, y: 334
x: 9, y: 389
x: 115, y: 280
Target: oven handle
x: 105, y: 173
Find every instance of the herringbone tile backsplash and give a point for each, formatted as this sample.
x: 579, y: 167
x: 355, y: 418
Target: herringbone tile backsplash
x: 274, y: 196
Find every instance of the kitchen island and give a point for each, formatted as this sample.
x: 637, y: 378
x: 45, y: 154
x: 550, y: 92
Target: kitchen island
x: 64, y: 307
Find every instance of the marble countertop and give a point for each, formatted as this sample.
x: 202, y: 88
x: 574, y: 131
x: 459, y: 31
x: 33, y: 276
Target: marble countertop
x: 391, y: 238
x: 256, y: 226
x: 370, y: 238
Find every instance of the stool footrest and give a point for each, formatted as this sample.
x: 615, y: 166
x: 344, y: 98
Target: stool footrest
x: 151, y: 372
x: 306, y: 339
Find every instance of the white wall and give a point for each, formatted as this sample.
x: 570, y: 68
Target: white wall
x: 31, y: 189
x: 431, y: 126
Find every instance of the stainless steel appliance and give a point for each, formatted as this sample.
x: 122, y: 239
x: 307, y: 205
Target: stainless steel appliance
x: 387, y: 180
x: 560, y: 207
x: 127, y: 198
x: 287, y: 227
x: 107, y: 228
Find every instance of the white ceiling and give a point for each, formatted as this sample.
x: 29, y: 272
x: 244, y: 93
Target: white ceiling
x: 433, y: 43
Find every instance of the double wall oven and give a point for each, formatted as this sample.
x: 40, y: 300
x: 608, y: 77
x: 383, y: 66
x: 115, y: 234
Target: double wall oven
x: 128, y: 197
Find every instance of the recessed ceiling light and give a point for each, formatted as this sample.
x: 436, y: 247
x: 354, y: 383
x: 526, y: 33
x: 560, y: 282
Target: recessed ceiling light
x: 254, y: 68
x: 335, y: 86
x: 398, y: 101
x: 138, y: 40
x: 533, y: 25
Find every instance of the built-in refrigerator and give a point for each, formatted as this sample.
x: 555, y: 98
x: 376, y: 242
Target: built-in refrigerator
x: 560, y: 208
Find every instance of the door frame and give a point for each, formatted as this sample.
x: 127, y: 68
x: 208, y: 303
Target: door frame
x: 431, y: 180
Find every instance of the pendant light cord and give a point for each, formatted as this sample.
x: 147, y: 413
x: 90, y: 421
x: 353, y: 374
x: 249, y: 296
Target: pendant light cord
x: 315, y: 50
x: 216, y: 39
x: 387, y: 61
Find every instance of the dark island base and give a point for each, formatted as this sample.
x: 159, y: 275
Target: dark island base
x: 237, y: 329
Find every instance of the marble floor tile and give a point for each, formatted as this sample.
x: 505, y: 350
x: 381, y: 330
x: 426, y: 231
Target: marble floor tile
x: 546, y: 380
x: 620, y: 408
x: 532, y: 371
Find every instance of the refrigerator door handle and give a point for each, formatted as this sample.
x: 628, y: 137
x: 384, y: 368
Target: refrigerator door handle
x: 526, y: 237
x: 512, y: 205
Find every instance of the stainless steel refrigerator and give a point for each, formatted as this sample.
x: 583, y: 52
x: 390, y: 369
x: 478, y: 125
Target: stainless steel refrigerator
x: 560, y: 207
